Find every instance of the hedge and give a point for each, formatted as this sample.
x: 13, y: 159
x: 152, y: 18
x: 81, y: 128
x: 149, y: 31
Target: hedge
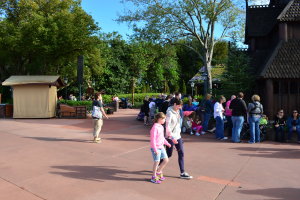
x: 138, y: 99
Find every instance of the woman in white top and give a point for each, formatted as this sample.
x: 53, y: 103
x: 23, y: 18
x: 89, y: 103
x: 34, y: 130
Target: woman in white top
x: 219, y: 117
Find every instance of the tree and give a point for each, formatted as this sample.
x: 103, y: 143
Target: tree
x: 42, y: 36
x: 185, y: 19
x: 238, y: 75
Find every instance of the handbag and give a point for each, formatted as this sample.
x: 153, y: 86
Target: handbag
x: 96, y: 113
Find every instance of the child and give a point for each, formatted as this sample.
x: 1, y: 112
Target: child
x: 263, y: 120
x: 157, y: 147
x: 187, y: 122
x: 196, y: 124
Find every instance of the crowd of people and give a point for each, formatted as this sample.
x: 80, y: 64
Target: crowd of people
x: 170, y: 118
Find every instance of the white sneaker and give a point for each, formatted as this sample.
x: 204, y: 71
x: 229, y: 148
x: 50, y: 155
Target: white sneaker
x: 185, y: 175
x: 192, y: 133
x: 212, y: 130
x: 197, y: 134
x: 224, y: 138
x: 203, y: 132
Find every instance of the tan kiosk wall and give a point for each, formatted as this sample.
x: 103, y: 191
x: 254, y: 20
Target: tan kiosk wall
x: 34, y: 101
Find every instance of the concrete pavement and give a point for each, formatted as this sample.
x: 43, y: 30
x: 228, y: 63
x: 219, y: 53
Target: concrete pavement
x: 55, y: 159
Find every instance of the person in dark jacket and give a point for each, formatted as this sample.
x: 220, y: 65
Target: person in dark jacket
x: 293, y: 124
x: 145, y: 109
x: 279, y: 125
x: 208, y: 112
x: 165, y: 104
x: 239, y: 111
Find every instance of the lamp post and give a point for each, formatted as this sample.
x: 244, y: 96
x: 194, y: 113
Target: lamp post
x: 66, y: 81
x: 192, y: 85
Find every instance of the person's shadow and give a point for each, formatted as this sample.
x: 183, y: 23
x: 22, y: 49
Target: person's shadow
x: 100, y: 173
x: 275, y: 193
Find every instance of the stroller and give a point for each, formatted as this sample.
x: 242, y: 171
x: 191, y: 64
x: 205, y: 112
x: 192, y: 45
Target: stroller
x: 124, y: 103
x: 245, y: 133
x: 140, y: 116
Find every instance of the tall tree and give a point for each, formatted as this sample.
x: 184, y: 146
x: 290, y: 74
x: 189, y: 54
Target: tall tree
x: 189, y: 19
x: 238, y: 76
x: 42, y: 36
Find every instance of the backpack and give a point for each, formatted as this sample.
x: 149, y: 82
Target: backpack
x: 256, y: 107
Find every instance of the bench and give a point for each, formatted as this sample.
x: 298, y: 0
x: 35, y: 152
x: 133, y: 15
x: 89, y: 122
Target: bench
x: 66, y: 111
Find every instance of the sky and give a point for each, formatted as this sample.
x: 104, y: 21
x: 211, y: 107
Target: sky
x: 105, y: 12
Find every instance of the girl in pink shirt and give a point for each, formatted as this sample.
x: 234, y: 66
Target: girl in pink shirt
x: 157, y: 147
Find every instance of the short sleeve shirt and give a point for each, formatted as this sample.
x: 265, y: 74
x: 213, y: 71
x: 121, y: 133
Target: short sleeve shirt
x: 97, y: 103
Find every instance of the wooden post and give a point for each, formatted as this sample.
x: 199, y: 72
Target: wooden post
x: 269, y: 107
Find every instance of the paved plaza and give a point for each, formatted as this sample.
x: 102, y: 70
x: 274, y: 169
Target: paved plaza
x: 55, y: 159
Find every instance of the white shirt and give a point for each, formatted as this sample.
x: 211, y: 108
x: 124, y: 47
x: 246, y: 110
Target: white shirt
x: 218, y: 110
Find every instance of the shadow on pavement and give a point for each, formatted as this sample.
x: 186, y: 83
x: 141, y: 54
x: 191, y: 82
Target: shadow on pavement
x: 58, y: 139
x: 271, y: 152
x: 100, y: 173
x: 127, y: 139
x: 276, y: 193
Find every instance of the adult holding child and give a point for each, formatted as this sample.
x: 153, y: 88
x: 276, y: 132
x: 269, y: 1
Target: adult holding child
x: 97, y: 115
x: 173, y: 130
x: 239, y: 111
x: 255, y: 111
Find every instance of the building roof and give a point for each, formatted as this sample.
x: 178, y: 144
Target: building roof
x: 284, y: 62
x: 261, y: 20
x: 291, y: 12
x: 34, y: 80
x: 216, y: 73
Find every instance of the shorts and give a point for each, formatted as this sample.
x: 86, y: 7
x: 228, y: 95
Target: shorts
x: 161, y: 154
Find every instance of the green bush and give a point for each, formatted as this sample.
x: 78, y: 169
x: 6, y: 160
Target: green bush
x: 138, y: 100
x: 88, y: 104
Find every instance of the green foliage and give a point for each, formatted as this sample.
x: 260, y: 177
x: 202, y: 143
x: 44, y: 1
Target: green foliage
x: 189, y: 20
x: 237, y: 76
x: 42, y: 37
x: 183, y: 87
x: 199, y: 97
x: 185, y: 100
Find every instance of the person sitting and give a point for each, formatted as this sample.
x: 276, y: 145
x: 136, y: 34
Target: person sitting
x: 293, y: 124
x: 263, y: 123
x: 196, y: 125
x: 279, y: 124
x: 188, y: 106
x: 187, y: 122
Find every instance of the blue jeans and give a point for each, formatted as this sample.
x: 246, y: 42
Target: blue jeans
x: 237, y: 125
x: 291, y: 132
x: 207, y: 117
x: 254, y: 129
x: 279, y: 137
x: 229, y: 125
x: 219, y: 127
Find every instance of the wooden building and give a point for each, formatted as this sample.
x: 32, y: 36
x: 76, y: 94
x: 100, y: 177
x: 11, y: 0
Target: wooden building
x: 273, y: 35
